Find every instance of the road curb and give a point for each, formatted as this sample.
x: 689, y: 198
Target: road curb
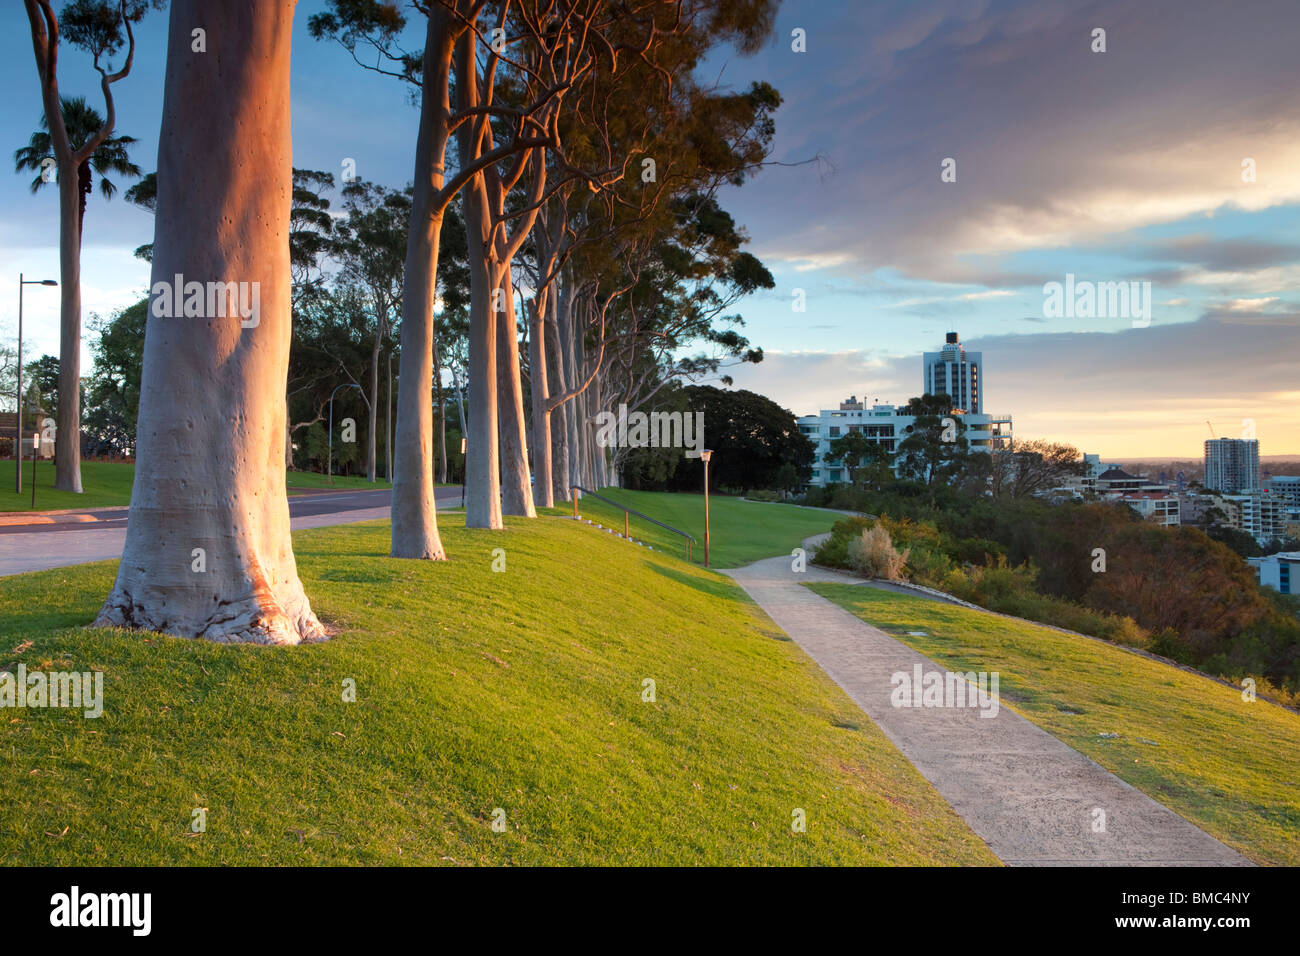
x: 50, y: 517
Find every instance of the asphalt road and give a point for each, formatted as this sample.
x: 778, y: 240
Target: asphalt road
x: 43, y: 546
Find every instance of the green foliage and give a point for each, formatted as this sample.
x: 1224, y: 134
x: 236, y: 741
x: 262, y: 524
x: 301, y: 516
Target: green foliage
x: 113, y: 399
x: 1026, y: 557
x: 752, y: 438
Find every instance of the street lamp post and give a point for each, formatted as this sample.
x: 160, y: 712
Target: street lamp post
x: 329, y: 461
x: 706, y: 454
x: 18, y: 426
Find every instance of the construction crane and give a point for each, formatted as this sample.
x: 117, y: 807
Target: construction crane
x: 1211, y: 428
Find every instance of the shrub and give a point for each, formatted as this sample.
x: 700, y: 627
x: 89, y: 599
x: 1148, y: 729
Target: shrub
x: 1011, y: 591
x: 873, y: 554
x: 834, y: 551
x: 927, y: 565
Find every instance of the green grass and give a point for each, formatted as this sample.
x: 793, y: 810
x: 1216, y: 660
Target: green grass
x: 104, y: 483
x: 107, y: 484
x: 1193, y: 744
x: 475, y: 690
x: 741, y: 532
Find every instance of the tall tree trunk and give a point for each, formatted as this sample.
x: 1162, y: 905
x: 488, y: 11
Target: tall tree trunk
x: 460, y: 410
x: 208, y: 552
x: 543, y: 496
x: 388, y: 422
x: 67, y: 434
x: 516, y: 493
x: 559, y: 425
x: 372, y: 407
x: 482, y: 462
x: 414, y: 515
x: 440, y: 406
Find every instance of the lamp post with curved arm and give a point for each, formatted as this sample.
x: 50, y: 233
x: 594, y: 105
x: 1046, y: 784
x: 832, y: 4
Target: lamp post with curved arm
x: 18, y: 425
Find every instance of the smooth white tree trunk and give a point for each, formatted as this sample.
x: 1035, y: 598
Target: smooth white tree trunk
x: 482, y: 462
x: 208, y: 552
x: 516, y: 492
x: 414, y: 515
x: 543, y: 495
x: 67, y: 435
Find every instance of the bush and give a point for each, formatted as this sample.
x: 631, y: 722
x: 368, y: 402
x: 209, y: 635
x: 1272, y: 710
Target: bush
x: 873, y: 554
x: 1011, y: 591
x: 927, y: 566
x: 834, y: 551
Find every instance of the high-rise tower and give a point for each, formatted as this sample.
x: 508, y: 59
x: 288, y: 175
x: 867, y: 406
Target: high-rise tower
x: 956, y: 373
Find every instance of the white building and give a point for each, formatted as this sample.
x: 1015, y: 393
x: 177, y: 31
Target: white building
x: 953, y: 372
x: 1286, y: 487
x: 1280, y: 571
x: 1232, y: 465
x: 956, y: 373
x: 1261, y: 515
x: 886, y: 425
x: 1158, y: 507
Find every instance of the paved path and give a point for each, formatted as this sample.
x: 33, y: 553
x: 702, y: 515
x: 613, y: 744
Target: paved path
x: 1030, y: 797
x: 40, y: 547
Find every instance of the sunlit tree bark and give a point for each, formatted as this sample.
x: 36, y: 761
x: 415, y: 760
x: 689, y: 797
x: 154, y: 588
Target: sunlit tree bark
x: 208, y: 552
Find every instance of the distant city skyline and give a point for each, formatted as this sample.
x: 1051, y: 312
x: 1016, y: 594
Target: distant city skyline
x: 1171, y: 158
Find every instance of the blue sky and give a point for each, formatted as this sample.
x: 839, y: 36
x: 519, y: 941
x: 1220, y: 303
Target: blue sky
x: 1115, y: 166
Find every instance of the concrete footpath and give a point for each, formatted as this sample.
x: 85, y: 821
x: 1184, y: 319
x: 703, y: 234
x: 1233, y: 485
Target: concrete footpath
x: 1030, y: 797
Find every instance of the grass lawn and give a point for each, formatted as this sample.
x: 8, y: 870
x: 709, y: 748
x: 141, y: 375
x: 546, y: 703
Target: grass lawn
x: 741, y: 532
x: 1230, y: 767
x: 107, y: 484
x: 475, y: 690
x: 104, y: 483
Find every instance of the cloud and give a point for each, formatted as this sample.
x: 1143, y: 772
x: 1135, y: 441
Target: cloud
x: 1055, y: 145
x: 1129, y: 393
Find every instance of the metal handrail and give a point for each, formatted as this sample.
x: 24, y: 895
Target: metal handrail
x: 690, y: 540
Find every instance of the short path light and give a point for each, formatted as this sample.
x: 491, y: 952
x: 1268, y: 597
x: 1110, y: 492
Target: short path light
x: 706, y: 454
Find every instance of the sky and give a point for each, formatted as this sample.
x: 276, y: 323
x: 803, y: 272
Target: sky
x: 1117, y: 166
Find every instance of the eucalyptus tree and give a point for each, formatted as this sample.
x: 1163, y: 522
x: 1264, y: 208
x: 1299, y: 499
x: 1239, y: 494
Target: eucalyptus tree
x: 645, y: 268
x: 208, y: 552
x: 100, y: 28
x: 370, y: 247
x: 366, y: 27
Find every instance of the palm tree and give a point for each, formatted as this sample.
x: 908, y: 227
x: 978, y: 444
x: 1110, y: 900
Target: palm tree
x: 82, y: 121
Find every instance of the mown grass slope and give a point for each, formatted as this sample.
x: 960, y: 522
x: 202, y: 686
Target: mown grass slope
x: 475, y: 690
x: 1228, y: 765
x: 741, y: 531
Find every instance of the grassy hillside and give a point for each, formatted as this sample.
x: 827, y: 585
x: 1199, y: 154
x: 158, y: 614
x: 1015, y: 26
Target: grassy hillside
x: 107, y: 484
x: 475, y: 690
x: 741, y: 531
x: 1230, y: 767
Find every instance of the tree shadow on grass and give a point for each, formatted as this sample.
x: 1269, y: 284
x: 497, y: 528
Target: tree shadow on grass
x: 716, y: 587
